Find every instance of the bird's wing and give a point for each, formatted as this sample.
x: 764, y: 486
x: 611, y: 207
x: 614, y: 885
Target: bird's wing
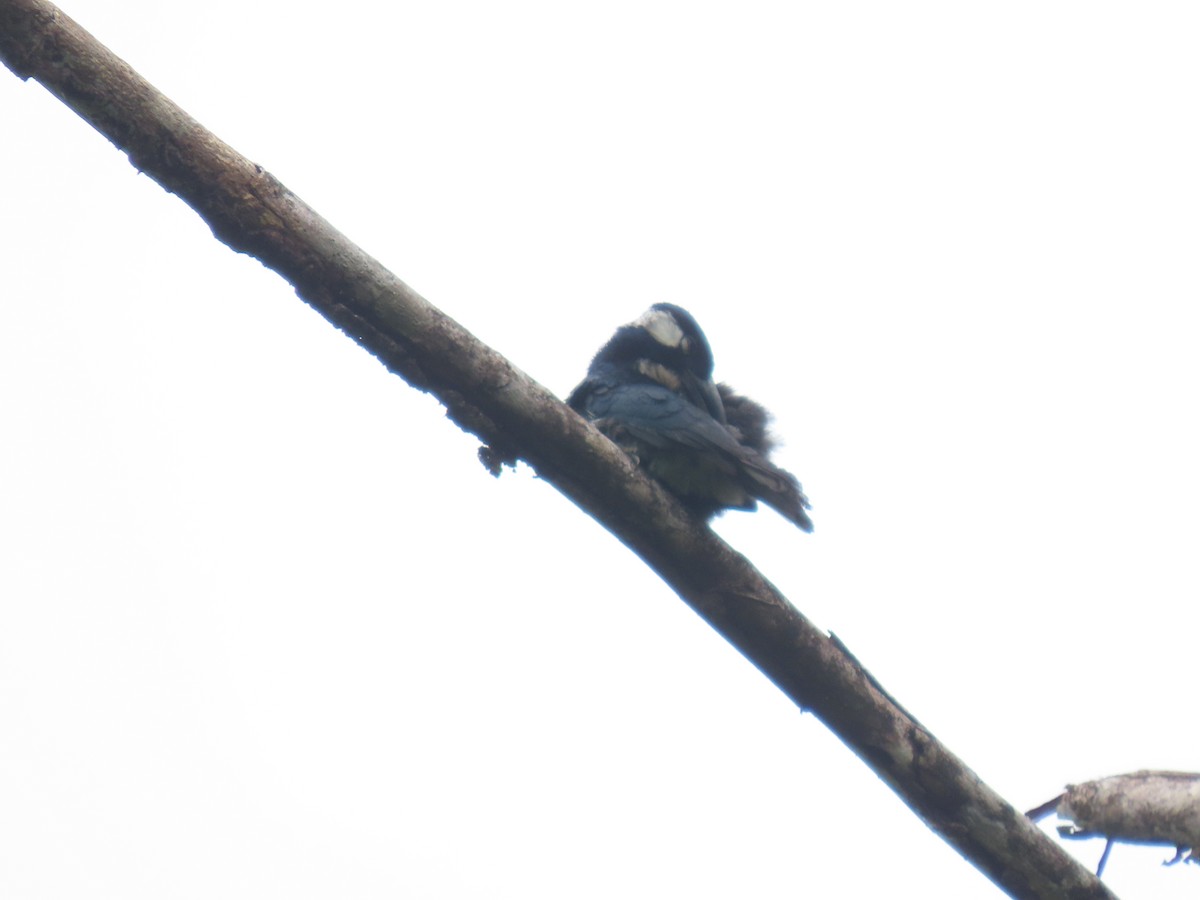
x: 663, y: 419
x: 660, y: 417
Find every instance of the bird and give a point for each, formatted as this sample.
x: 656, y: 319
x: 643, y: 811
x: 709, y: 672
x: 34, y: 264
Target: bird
x: 649, y: 389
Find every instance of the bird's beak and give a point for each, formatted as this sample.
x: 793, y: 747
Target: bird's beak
x: 704, y: 393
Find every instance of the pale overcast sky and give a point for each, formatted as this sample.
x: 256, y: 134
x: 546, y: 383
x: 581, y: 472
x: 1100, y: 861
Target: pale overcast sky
x: 268, y: 629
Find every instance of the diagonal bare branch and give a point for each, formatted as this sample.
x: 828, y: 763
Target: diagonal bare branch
x: 251, y: 212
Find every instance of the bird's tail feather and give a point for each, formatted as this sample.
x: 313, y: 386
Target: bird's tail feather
x: 777, y: 488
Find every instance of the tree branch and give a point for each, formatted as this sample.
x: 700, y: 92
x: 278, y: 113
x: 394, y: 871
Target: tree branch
x: 251, y: 212
x: 1145, y: 807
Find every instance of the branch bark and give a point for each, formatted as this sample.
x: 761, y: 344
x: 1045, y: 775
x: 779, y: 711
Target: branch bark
x: 253, y: 213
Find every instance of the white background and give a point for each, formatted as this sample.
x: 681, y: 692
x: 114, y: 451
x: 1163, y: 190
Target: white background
x: 267, y: 629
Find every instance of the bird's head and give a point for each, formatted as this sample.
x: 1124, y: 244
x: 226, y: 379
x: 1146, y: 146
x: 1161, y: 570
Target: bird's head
x: 680, y: 342
x: 665, y: 345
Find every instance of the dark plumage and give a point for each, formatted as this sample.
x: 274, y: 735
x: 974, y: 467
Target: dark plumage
x: 749, y: 421
x: 650, y: 390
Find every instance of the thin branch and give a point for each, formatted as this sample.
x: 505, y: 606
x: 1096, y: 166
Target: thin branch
x: 251, y: 212
x: 1144, y: 807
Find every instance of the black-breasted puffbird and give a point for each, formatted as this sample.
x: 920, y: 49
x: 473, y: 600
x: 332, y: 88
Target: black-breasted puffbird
x: 650, y: 391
